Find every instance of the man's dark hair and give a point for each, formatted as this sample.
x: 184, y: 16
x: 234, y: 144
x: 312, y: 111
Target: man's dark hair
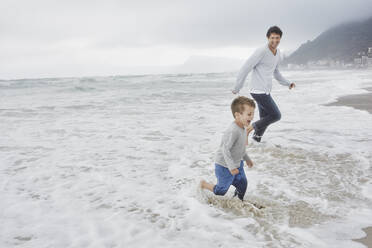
x: 274, y: 29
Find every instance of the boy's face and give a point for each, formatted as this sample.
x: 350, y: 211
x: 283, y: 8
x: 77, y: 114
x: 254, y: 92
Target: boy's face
x: 246, y: 116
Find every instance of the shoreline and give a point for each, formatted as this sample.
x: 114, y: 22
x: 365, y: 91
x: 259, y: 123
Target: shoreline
x: 366, y: 240
x: 360, y: 101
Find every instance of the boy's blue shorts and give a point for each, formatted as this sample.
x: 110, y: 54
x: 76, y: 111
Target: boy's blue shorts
x: 225, y: 179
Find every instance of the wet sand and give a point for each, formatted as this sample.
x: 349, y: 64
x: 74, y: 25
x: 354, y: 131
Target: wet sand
x: 368, y: 239
x: 360, y: 101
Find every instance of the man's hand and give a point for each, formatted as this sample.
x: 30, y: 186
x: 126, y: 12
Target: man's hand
x: 235, y: 91
x: 249, y: 163
x: 234, y: 171
x: 249, y: 129
x: 292, y: 85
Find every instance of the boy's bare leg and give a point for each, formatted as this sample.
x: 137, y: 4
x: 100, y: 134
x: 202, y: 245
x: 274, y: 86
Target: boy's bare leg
x: 205, y: 185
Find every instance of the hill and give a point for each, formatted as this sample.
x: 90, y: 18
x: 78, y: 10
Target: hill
x: 342, y: 42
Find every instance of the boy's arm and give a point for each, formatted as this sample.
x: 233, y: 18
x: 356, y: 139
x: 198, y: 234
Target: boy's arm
x: 248, y: 160
x: 247, y: 67
x: 227, y: 142
x: 279, y: 77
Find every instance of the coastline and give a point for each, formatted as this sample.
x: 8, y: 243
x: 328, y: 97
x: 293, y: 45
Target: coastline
x: 367, y: 240
x: 362, y: 102
x: 359, y: 101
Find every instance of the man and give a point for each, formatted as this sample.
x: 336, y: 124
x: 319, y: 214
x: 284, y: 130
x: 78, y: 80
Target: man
x: 264, y: 64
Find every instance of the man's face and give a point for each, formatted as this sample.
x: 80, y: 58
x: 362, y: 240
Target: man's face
x: 274, y: 40
x: 247, y: 116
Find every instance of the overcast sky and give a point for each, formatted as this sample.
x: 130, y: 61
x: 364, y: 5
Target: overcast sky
x: 88, y: 37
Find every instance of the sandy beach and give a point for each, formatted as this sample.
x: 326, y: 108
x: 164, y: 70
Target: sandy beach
x: 362, y: 102
x: 367, y: 240
x: 359, y: 101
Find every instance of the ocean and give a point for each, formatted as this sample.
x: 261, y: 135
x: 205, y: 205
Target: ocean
x: 116, y: 161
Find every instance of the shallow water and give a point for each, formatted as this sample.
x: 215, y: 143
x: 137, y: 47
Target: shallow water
x: 115, y: 161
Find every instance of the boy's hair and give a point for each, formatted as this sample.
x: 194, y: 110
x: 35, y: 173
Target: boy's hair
x: 238, y: 103
x: 275, y: 30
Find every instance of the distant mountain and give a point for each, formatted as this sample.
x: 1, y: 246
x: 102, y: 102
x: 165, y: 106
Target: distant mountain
x: 204, y: 64
x: 342, y: 42
x: 194, y: 64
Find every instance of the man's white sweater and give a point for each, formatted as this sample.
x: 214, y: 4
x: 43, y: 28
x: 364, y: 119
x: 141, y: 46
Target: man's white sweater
x: 263, y: 64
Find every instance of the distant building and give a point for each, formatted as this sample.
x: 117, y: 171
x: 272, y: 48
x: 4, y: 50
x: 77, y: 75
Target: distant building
x: 358, y: 61
x: 364, y: 60
x: 369, y: 62
x: 369, y: 53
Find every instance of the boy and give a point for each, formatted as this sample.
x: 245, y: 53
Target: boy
x: 228, y: 160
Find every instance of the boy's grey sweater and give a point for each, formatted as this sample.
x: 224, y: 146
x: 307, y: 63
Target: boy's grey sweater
x: 232, y: 148
x: 263, y: 64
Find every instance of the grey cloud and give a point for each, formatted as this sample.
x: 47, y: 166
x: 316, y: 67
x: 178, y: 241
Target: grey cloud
x: 187, y: 23
x: 61, y: 33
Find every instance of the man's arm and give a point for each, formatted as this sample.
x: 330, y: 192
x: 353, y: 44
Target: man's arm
x: 246, y: 157
x: 279, y: 77
x: 227, y: 143
x: 251, y: 62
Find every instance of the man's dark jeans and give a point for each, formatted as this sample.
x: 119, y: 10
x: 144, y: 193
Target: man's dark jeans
x: 269, y: 113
